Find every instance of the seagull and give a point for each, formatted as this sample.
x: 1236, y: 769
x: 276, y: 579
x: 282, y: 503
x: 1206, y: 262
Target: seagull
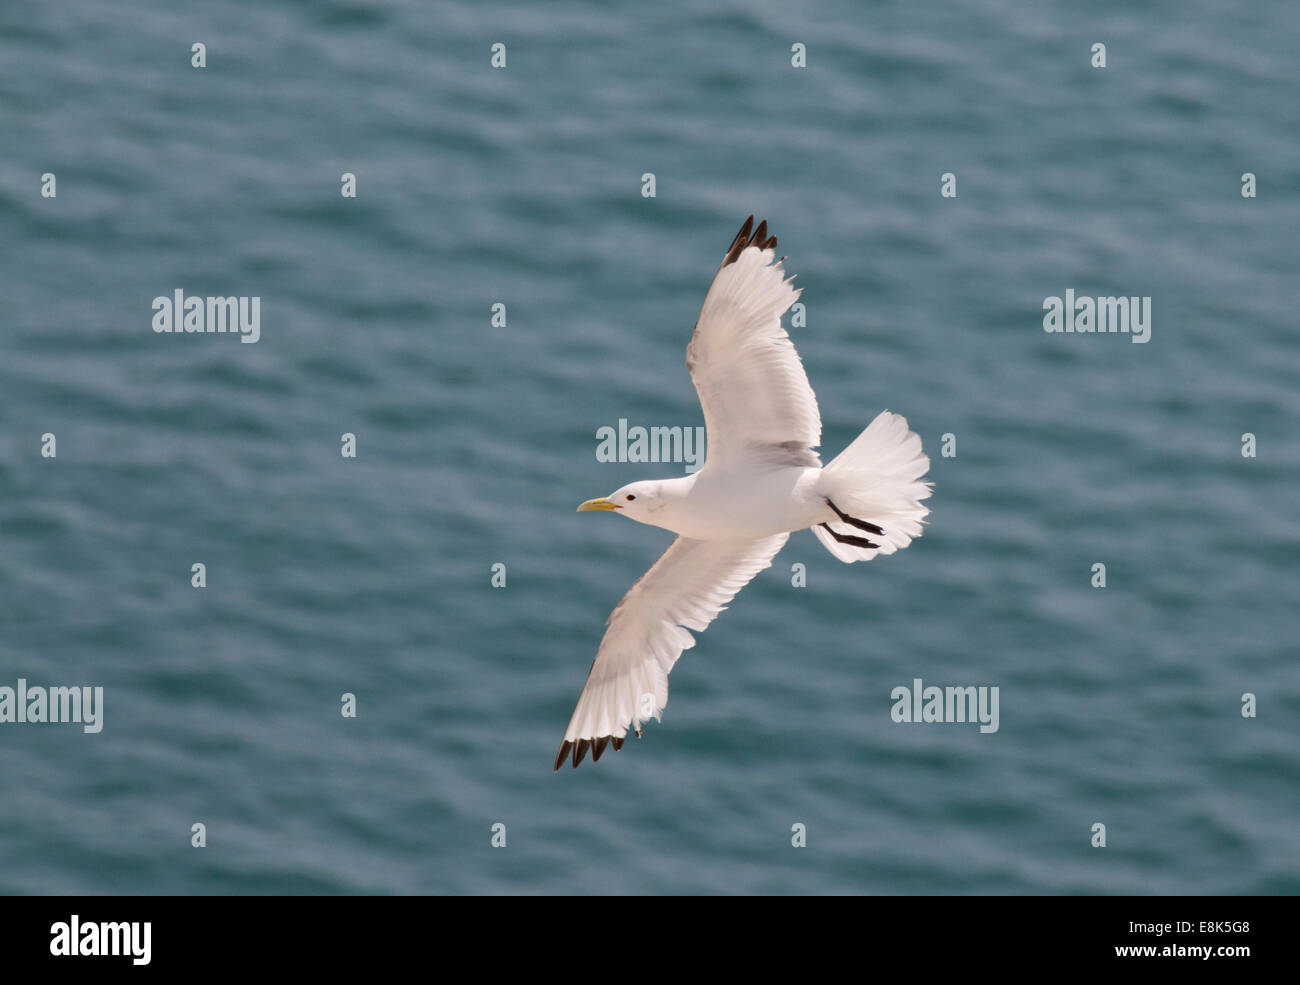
x: 762, y: 480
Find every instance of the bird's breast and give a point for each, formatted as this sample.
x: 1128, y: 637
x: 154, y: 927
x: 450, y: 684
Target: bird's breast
x: 728, y: 505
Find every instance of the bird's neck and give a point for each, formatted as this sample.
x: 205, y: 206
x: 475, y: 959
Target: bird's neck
x: 673, y: 494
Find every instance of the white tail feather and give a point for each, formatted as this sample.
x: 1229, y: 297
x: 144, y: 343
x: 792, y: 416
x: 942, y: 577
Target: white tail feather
x: 877, y: 479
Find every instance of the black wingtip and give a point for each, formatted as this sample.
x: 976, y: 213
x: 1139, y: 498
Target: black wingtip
x: 565, y: 746
x: 747, y: 237
x: 581, y: 754
x: 577, y: 751
x: 738, y: 243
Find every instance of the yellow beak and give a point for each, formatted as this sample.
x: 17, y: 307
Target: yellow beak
x: 597, y: 504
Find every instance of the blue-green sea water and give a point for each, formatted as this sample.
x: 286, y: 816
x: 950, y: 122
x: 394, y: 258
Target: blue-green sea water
x: 523, y: 186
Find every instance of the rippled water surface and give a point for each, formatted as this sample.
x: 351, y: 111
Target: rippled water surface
x: 522, y: 186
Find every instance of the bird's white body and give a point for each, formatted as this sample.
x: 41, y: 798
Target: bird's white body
x: 762, y: 480
x: 725, y: 504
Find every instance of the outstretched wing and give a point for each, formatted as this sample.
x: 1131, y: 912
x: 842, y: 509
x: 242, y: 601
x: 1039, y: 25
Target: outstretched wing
x: 685, y: 589
x: 758, y: 404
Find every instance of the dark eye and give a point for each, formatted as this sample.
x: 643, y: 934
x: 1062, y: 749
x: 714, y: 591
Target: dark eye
x: 630, y: 497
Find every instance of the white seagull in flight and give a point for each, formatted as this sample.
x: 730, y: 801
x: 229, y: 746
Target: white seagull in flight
x: 761, y: 480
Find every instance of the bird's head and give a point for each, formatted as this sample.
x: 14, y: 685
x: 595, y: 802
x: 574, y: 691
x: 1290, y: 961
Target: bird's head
x: 638, y: 500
